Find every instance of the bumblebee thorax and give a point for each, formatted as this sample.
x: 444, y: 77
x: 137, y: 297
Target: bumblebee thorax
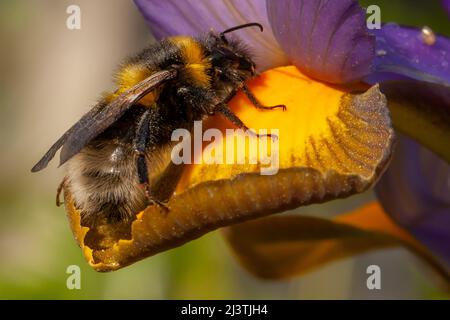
x: 195, y: 60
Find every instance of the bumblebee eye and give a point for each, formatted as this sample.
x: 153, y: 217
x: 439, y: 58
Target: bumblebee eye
x: 245, y: 64
x: 222, y: 53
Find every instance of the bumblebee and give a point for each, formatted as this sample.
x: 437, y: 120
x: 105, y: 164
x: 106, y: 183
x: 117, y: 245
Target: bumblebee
x: 117, y: 147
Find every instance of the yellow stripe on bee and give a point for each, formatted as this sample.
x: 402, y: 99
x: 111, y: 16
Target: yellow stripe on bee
x: 196, y: 63
x: 128, y: 77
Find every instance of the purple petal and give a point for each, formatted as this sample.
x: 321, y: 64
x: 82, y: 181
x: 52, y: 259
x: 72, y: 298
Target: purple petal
x: 327, y: 40
x: 188, y: 17
x: 415, y: 191
x: 402, y: 52
x: 446, y: 4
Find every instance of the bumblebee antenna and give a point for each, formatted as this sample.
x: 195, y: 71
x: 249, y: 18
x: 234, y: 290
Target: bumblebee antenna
x: 242, y: 26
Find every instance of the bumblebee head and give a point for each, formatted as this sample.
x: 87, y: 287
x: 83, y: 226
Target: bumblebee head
x: 229, y: 56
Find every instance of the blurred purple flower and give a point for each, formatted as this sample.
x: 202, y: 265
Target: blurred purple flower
x: 416, y: 193
x: 329, y: 41
x: 446, y: 4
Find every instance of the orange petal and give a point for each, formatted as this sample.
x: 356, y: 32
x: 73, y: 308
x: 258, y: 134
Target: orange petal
x: 331, y: 144
x: 284, y: 246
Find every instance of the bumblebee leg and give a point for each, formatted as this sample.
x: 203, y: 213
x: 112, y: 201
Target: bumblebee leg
x: 142, y: 170
x: 59, y: 190
x: 225, y: 110
x: 140, y: 143
x: 257, y: 103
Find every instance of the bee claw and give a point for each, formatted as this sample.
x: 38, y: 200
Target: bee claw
x: 163, y: 206
x: 282, y: 106
x: 152, y: 201
x: 58, y: 192
x: 272, y: 136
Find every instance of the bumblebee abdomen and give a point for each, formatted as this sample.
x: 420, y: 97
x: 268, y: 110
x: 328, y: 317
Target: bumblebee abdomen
x: 102, y: 181
x: 102, y: 177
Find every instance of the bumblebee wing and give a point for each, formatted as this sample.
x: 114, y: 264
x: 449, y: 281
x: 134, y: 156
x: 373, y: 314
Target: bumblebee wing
x: 93, y: 126
x: 60, y: 142
x: 99, y: 119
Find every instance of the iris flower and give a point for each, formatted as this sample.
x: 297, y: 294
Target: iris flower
x: 336, y: 139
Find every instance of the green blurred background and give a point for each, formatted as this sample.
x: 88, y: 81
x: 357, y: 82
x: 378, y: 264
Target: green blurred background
x: 49, y: 77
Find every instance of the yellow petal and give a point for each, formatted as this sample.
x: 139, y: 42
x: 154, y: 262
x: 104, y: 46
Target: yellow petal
x: 331, y: 144
x: 284, y: 246
x: 325, y: 129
